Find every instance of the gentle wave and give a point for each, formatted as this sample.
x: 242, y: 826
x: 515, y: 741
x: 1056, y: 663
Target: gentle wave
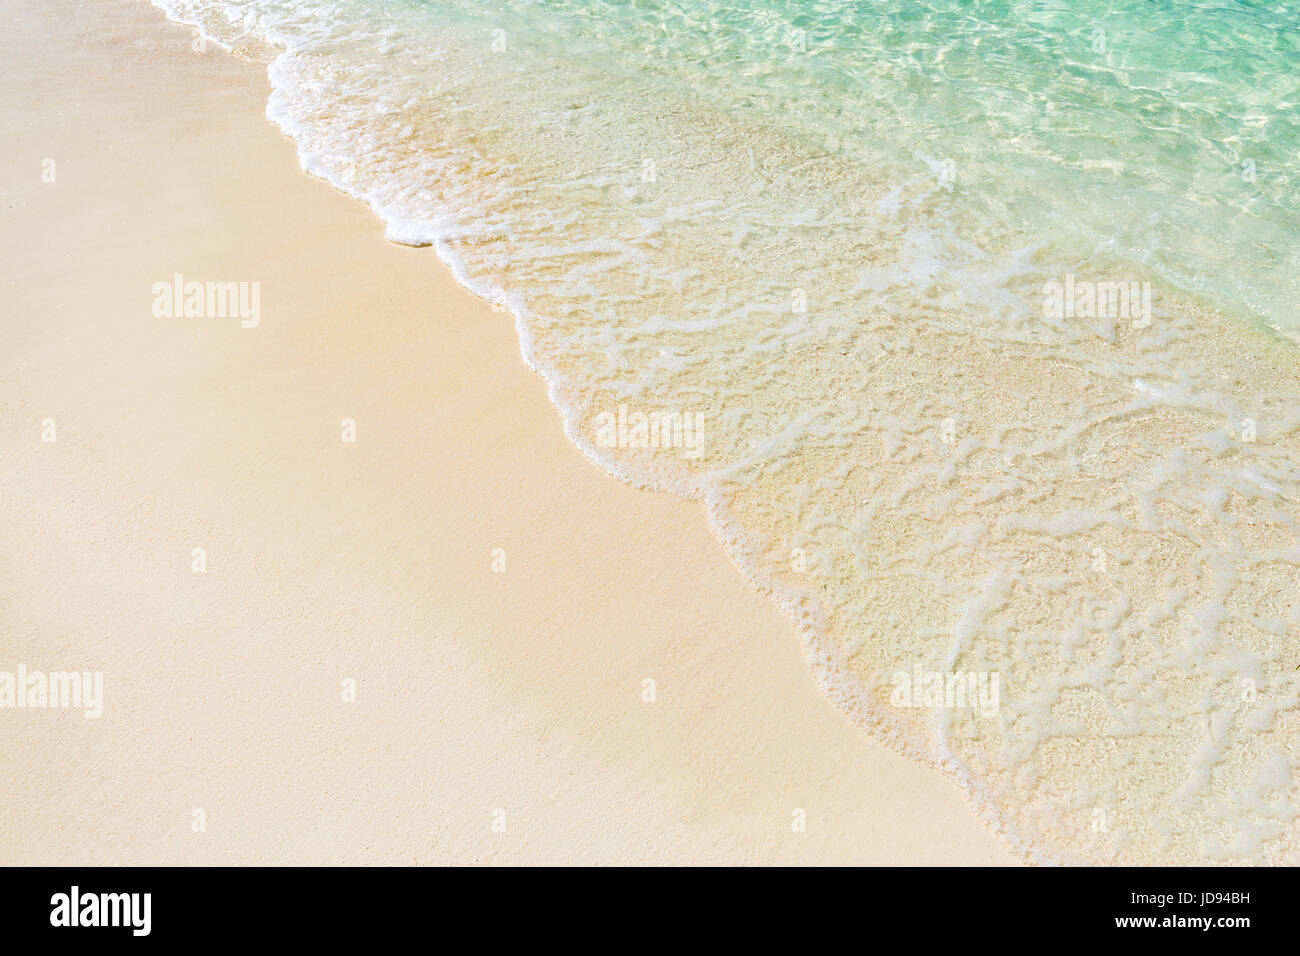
x: 927, y: 302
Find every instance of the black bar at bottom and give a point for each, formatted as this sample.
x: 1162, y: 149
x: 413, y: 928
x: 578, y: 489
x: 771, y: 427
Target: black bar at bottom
x: 332, y: 907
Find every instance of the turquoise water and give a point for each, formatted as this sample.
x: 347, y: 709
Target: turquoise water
x: 950, y: 312
x: 1165, y: 135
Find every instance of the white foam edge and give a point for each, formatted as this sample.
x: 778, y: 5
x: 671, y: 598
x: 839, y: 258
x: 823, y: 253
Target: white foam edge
x: 830, y: 668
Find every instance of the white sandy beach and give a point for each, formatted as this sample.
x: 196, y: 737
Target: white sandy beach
x: 478, y: 690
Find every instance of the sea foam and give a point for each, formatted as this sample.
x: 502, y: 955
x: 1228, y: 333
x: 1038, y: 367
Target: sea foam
x: 827, y: 232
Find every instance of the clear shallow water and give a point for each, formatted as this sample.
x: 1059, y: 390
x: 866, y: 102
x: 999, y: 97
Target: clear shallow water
x: 825, y: 236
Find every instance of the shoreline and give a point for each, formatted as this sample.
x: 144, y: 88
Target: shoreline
x: 476, y: 690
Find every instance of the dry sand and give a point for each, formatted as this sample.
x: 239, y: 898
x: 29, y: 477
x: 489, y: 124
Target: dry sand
x: 328, y: 561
